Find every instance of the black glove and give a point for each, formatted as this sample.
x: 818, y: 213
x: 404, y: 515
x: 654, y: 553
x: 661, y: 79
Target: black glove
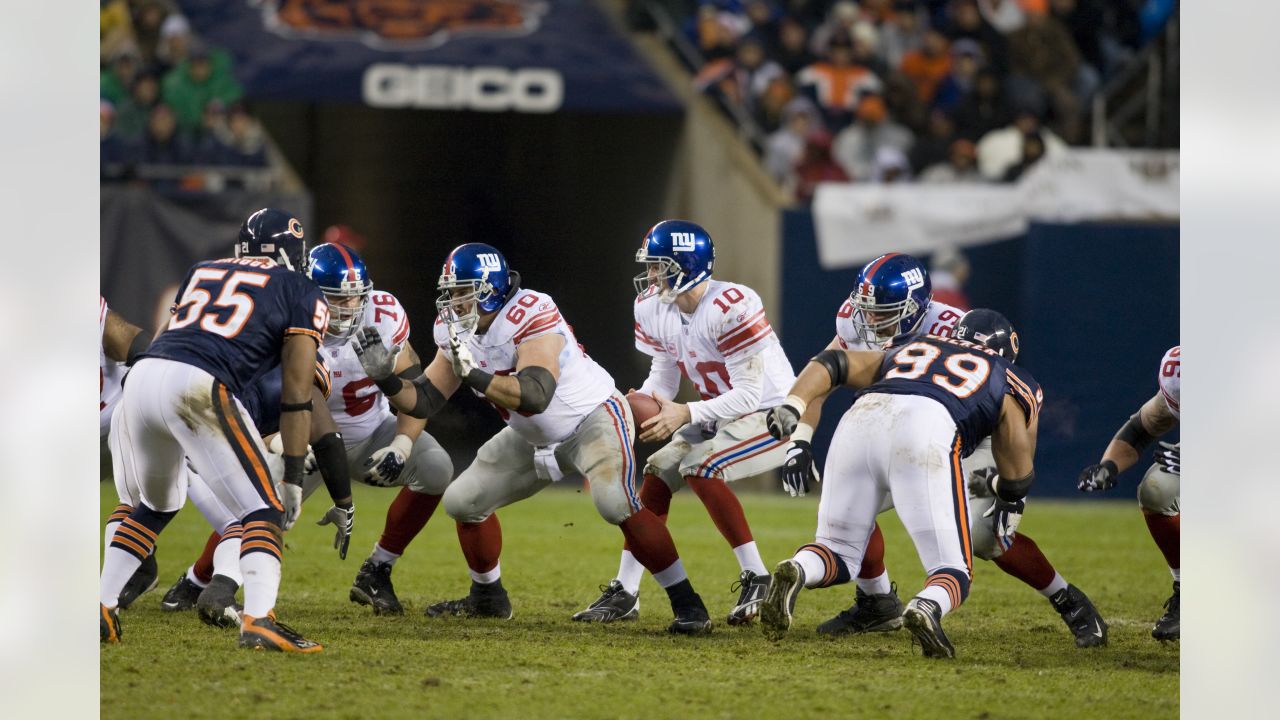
x: 1169, y: 457
x: 1097, y: 477
x: 782, y: 421
x: 344, y: 519
x: 799, y: 469
x: 1005, y: 517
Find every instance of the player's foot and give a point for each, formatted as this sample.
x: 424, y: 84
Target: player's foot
x: 373, y: 587
x: 217, y: 603
x: 923, y: 617
x: 753, y: 588
x: 181, y: 595
x: 143, y: 581
x: 1081, y: 616
x: 614, y: 603
x: 267, y: 633
x: 879, y: 612
x: 485, y: 601
x: 1169, y: 625
x: 692, y: 617
x: 108, y: 624
x: 780, y: 603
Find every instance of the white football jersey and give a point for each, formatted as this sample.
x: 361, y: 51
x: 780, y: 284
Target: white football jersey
x: 1171, y: 378
x: 939, y: 319
x: 357, y: 405
x: 583, y: 384
x: 728, y: 325
x: 110, y: 375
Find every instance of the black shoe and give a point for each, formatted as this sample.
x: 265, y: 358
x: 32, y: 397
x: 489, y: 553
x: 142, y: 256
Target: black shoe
x: 881, y: 612
x: 780, y: 603
x: 923, y: 617
x: 373, y: 587
x: 753, y: 588
x: 692, y: 617
x: 267, y: 633
x: 485, y: 601
x: 143, y: 581
x: 614, y: 603
x: 1081, y: 616
x: 181, y: 595
x: 108, y: 624
x: 217, y: 603
x: 1169, y: 625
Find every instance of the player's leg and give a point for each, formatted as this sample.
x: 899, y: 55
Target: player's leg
x: 217, y: 570
x: 144, y: 579
x: 1159, y: 494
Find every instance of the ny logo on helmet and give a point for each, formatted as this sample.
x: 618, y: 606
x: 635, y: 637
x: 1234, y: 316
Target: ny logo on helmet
x: 682, y: 242
x: 914, y: 278
x: 489, y: 262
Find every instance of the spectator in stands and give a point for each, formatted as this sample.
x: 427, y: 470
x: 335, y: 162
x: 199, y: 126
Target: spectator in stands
x: 929, y: 65
x: 837, y: 83
x: 857, y: 145
x: 877, y: 12
x: 891, y: 166
x: 148, y: 18
x: 164, y: 144
x: 983, y: 110
x: 905, y: 32
x: 114, y: 151
x: 1005, y: 16
x: 134, y: 112
x: 961, y: 165
x: 345, y: 235
x: 116, y: 79
x: 175, y: 41
x: 247, y: 144
x: 967, y: 22
x: 785, y: 147
x: 949, y: 274
x: 793, y: 46
x: 966, y: 60
x: 840, y: 22
x: 1001, y: 149
x: 191, y: 85
x: 935, y: 144
x: 770, y: 110
x: 212, y: 145
x: 1042, y: 52
x: 816, y: 166
x: 764, y: 24
x: 903, y: 103
x: 866, y: 49
x: 1032, y: 153
x: 115, y: 28
x: 717, y: 32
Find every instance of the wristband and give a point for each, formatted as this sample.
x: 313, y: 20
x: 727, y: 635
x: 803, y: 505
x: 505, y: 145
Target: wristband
x: 1111, y: 467
x: 390, y: 385
x: 293, y: 468
x: 296, y: 407
x: 478, y: 380
x: 796, y: 403
x: 802, y: 433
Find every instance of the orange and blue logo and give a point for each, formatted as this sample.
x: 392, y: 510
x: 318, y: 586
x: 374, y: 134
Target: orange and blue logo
x: 402, y: 25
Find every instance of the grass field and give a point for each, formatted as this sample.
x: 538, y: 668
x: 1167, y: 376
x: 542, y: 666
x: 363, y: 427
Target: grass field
x: 1015, y: 657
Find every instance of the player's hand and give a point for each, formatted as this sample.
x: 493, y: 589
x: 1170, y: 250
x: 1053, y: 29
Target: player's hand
x: 1098, y: 477
x: 463, y: 361
x: 1005, y: 517
x: 378, y: 361
x: 982, y: 482
x: 671, y: 417
x: 292, y: 503
x: 1169, y: 457
x: 310, y: 464
x: 385, y: 465
x: 782, y: 421
x: 344, y: 520
x: 799, y: 468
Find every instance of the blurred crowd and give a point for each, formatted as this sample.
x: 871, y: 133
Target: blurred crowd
x: 167, y: 98
x: 937, y: 91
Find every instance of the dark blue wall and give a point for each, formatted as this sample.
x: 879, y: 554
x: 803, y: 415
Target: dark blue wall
x: 1095, y: 305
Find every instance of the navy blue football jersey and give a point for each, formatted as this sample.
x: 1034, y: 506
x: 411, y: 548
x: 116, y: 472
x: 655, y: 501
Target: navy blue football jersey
x: 231, y: 317
x: 262, y: 398
x: 968, y: 379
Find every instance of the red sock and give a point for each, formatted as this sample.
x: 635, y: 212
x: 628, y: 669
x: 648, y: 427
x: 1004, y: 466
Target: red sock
x: 481, y: 543
x: 649, y: 540
x: 1024, y: 561
x: 655, y: 496
x: 1165, y: 530
x: 723, y: 507
x: 406, y: 517
x: 204, y: 564
x: 873, y: 558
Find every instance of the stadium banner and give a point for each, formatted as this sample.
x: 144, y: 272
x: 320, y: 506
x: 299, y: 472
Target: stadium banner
x: 857, y: 222
x: 530, y: 56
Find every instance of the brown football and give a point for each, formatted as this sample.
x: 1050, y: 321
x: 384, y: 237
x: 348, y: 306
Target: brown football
x: 643, y: 407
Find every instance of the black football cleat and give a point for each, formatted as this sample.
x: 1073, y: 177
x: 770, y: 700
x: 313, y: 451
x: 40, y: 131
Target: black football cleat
x: 614, y: 603
x: 1169, y: 626
x: 780, y: 603
x: 143, y: 581
x: 881, y: 612
x: 752, y: 590
x: 485, y: 601
x: 266, y: 633
x: 692, y: 617
x: 373, y: 587
x: 108, y: 624
x: 1081, y: 617
x: 923, y: 617
x: 217, y: 603
x: 181, y: 595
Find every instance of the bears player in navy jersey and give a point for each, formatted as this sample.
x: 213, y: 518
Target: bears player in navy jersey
x: 232, y: 321
x: 921, y: 406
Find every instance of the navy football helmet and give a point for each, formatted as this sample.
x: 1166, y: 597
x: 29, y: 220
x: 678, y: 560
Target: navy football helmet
x: 991, y: 329
x: 475, y: 279
x: 677, y: 255
x: 891, y: 298
x: 276, y: 235
x: 341, y: 275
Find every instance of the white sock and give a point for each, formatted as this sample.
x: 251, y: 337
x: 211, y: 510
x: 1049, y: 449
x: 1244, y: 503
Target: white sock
x: 226, y: 559
x: 673, y: 574
x: 1054, y: 586
x: 117, y: 567
x: 749, y: 558
x: 938, y: 595
x: 1176, y: 577
x: 191, y: 575
x: 486, y: 578
x: 107, y: 534
x: 261, y: 583
x: 629, y: 572
x: 814, y: 568
x: 381, y: 555
x: 878, y: 585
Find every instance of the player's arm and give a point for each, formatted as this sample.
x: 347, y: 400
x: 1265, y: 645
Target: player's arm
x: 800, y: 470
x: 827, y: 370
x: 409, y: 368
x: 330, y: 451
x: 537, y: 372
x: 418, y: 396
x: 1151, y: 421
x: 664, y: 377
x: 384, y: 466
x: 1013, y: 445
x: 297, y: 364
x: 813, y: 411
x: 122, y: 341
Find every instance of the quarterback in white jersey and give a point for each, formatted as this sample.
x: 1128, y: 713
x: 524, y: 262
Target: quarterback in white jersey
x: 564, y: 418
x: 717, y: 335
x: 1159, y: 493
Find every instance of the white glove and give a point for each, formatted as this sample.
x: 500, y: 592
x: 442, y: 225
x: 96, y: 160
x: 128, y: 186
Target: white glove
x: 292, y: 504
x: 385, y: 465
x: 310, y: 465
x: 463, y: 361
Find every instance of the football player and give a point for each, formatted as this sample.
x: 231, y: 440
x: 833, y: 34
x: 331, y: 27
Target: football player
x: 512, y: 347
x: 891, y: 301
x: 922, y: 406
x: 232, y: 321
x: 1160, y: 490
x: 717, y: 335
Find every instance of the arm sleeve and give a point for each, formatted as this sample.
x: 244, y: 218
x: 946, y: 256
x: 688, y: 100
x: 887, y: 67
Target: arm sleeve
x: 746, y: 375
x: 1026, y: 391
x: 664, y: 377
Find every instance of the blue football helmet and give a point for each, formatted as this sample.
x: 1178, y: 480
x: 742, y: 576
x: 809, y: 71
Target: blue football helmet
x: 677, y: 255
x: 276, y: 235
x: 341, y: 275
x: 475, y: 279
x: 891, y: 298
x: 991, y: 329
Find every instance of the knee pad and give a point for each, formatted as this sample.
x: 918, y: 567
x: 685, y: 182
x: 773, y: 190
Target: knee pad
x: 463, y: 504
x: 431, y: 471
x: 1159, y: 491
x: 612, y: 504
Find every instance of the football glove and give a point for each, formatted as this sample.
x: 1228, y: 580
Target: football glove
x: 310, y: 465
x: 385, y: 465
x: 1169, y: 457
x: 782, y: 421
x: 463, y: 361
x: 799, y: 468
x: 378, y: 361
x: 982, y: 482
x: 344, y: 521
x: 292, y: 503
x: 1097, y: 477
x: 1005, y: 517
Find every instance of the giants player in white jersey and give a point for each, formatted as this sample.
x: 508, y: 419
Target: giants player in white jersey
x: 1160, y: 490
x: 716, y: 334
x: 868, y: 320
x: 564, y: 417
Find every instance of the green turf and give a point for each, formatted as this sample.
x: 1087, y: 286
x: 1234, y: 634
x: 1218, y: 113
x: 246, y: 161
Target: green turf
x: 1015, y: 657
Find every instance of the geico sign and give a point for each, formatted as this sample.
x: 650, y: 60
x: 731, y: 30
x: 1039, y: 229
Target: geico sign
x: 443, y: 87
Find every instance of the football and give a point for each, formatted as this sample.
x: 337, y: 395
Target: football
x: 643, y: 407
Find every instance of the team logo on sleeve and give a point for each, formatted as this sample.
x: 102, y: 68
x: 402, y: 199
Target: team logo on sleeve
x: 400, y: 25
